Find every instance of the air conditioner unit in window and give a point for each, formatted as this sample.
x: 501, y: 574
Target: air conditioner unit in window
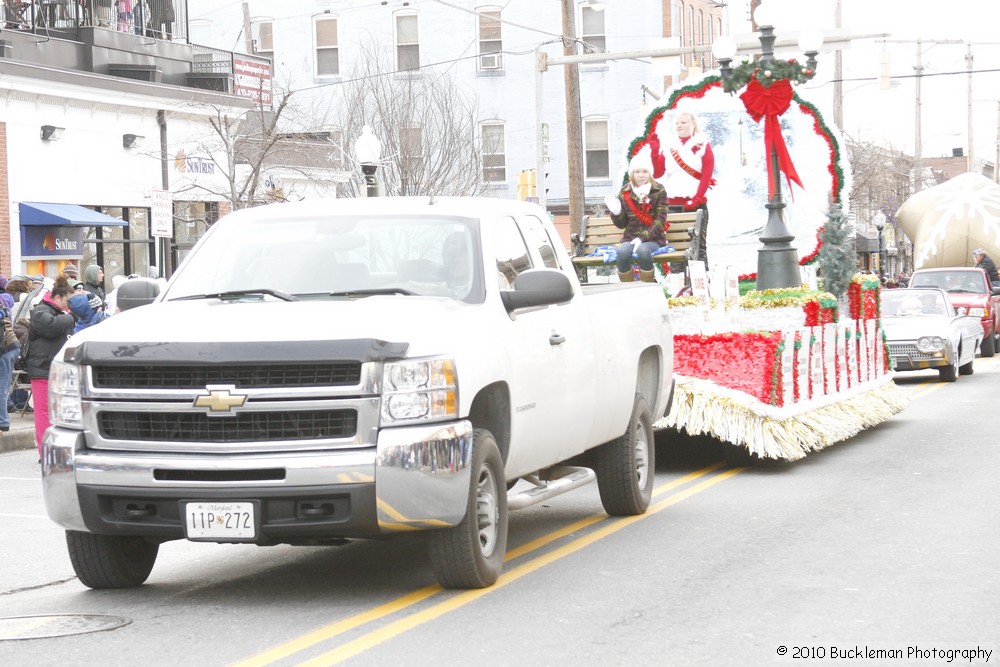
x: 491, y: 61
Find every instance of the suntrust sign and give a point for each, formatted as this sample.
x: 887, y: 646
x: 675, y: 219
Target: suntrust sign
x: 43, y: 241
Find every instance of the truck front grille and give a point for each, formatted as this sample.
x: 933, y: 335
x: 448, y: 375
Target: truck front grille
x: 243, y: 427
x: 342, y: 373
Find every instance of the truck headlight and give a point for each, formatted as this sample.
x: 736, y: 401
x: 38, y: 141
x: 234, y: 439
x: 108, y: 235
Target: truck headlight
x: 930, y: 343
x: 419, y: 390
x: 977, y: 312
x: 65, y: 406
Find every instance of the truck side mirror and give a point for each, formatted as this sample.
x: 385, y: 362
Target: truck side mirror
x: 537, y: 287
x: 136, y: 292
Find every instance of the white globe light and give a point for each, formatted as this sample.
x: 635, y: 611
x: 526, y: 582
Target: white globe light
x: 763, y: 15
x: 724, y: 47
x: 810, y: 39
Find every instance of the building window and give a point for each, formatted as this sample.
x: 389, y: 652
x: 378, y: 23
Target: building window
x: 592, y: 30
x: 690, y: 34
x: 411, y: 152
x: 263, y: 43
x: 327, y: 52
x: 407, y: 43
x: 490, y: 42
x: 595, y: 142
x: 494, y: 153
x: 337, y: 157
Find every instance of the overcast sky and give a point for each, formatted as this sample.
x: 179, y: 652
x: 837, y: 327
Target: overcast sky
x: 890, y: 116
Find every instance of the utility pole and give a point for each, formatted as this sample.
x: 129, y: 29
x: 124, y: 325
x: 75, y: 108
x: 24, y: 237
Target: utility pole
x: 574, y: 119
x: 917, y: 147
x: 838, y: 75
x: 247, y: 30
x: 968, y: 65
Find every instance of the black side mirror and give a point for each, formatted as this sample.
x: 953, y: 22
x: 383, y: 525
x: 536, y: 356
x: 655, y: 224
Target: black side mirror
x: 137, y: 292
x: 537, y: 287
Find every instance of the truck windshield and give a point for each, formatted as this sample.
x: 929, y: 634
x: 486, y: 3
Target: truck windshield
x: 322, y: 258
x: 951, y: 281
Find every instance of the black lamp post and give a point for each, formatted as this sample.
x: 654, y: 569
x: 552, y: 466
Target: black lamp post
x: 777, y: 260
x: 367, y: 151
x: 879, y: 221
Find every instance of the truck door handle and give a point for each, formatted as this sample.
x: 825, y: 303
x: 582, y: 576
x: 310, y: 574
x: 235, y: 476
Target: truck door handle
x: 556, y: 338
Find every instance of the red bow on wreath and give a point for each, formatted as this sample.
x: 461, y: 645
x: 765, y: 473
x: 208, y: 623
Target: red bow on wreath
x: 769, y: 102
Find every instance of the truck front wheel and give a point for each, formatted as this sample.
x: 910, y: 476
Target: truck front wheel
x: 110, y: 561
x: 988, y: 347
x: 625, y: 466
x: 470, y: 555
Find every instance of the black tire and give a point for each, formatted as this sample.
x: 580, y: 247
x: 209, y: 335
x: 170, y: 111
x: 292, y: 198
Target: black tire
x: 625, y: 466
x: 470, y: 555
x: 988, y: 347
x: 949, y: 373
x: 110, y: 561
x: 966, y: 369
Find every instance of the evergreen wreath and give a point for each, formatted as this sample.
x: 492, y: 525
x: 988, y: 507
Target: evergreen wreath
x: 768, y: 73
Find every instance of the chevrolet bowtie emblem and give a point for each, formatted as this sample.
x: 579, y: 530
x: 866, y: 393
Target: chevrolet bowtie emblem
x: 220, y: 400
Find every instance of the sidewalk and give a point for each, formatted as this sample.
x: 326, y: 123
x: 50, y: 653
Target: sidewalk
x: 21, y: 434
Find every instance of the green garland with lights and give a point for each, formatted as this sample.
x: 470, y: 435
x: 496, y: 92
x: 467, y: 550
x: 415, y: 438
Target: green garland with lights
x: 768, y: 73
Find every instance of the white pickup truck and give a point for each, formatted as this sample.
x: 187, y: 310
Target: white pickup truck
x: 343, y: 369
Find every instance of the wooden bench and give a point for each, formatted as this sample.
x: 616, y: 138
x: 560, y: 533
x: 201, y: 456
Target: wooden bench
x: 684, y: 234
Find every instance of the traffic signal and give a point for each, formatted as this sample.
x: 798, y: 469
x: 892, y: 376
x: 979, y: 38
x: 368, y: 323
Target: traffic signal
x: 883, y: 79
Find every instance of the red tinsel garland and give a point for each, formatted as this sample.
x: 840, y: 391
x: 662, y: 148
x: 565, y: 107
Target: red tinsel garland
x: 746, y: 362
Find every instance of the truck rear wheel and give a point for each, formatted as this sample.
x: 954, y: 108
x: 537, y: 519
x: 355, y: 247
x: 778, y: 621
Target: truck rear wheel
x: 625, y: 466
x: 470, y: 555
x: 110, y: 561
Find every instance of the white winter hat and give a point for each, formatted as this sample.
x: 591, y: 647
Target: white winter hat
x: 641, y: 160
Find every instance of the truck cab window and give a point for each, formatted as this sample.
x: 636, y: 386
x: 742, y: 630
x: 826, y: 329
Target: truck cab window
x: 511, y: 252
x: 534, y: 230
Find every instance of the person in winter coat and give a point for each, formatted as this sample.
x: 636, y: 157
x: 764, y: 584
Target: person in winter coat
x: 687, y: 163
x: 51, y: 325
x: 93, y: 282
x: 984, y: 262
x: 640, y: 208
x: 7, y: 357
x: 86, y: 309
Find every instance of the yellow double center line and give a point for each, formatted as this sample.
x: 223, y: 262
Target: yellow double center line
x: 463, y: 598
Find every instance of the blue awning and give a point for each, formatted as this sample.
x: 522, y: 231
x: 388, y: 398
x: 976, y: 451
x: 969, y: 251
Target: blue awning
x: 62, y: 215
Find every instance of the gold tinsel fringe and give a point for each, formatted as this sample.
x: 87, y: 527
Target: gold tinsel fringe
x: 701, y: 407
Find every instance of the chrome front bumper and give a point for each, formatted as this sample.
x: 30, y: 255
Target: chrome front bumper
x: 416, y: 477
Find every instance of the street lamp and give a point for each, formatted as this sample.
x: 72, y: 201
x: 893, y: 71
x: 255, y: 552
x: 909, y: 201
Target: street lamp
x: 879, y: 221
x: 767, y: 96
x: 367, y: 151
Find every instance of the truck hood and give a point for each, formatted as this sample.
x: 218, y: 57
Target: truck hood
x: 388, y: 318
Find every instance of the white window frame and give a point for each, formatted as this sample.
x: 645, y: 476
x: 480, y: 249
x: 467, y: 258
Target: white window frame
x: 490, y: 48
x: 488, y: 149
x: 412, y: 162
x: 592, y: 147
x: 594, y: 42
x: 408, y: 46
x: 263, y: 39
x: 335, y: 47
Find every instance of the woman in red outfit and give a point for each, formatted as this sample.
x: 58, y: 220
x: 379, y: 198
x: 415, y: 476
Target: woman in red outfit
x: 687, y: 166
x: 51, y: 325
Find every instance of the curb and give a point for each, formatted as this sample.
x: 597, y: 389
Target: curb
x: 14, y: 440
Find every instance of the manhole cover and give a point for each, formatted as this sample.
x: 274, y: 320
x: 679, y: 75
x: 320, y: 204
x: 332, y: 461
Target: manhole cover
x: 57, y: 625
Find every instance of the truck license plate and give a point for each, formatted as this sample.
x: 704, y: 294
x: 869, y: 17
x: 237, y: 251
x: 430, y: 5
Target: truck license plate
x: 220, y: 521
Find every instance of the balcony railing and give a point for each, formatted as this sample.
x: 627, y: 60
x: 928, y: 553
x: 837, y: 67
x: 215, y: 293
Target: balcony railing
x: 159, y: 19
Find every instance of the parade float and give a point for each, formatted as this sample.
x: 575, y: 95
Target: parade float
x: 783, y: 372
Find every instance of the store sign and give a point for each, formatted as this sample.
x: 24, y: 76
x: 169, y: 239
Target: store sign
x: 162, y: 205
x: 252, y: 79
x: 45, y: 241
x: 192, y: 165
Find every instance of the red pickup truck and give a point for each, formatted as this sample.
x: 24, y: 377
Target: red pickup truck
x: 970, y: 292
